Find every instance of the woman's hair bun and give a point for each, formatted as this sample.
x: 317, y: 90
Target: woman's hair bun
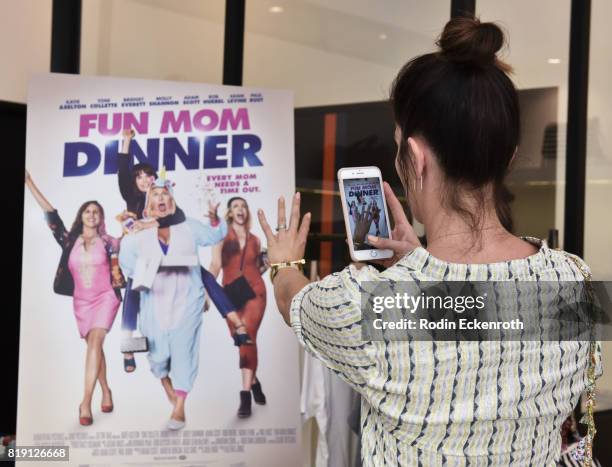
x: 467, y: 40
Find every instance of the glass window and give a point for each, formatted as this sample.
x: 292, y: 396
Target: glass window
x: 598, y: 222
x: 155, y: 39
x: 598, y: 219
x: 332, y: 53
x: 336, y: 51
x: 541, y: 75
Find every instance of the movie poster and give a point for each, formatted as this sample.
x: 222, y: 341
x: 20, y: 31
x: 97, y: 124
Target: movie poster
x: 149, y: 330
x: 366, y: 210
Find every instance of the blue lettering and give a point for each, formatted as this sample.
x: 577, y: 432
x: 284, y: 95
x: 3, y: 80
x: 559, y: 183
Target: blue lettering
x: 245, y: 147
x: 220, y: 152
x: 71, y: 159
x: 151, y: 157
x: 111, y: 164
x: 213, y: 152
x: 172, y: 149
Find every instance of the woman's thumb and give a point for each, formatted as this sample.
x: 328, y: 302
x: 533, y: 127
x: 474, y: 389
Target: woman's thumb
x: 398, y: 247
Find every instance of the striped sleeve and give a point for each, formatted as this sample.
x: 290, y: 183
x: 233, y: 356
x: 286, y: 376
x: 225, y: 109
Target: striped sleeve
x: 587, y: 274
x: 326, y: 318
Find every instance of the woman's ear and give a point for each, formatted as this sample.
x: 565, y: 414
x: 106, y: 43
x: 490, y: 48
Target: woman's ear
x: 417, y: 150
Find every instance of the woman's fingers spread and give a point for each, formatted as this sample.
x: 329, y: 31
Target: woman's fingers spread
x: 281, y: 217
x: 295, y: 212
x: 397, y: 211
x: 265, y: 226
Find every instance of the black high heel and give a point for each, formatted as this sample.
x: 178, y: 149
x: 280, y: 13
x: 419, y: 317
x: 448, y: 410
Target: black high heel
x: 244, y: 411
x: 258, y: 396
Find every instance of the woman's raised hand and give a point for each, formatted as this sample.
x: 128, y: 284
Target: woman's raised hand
x: 289, y: 242
x: 212, y: 212
x: 363, y: 221
x: 404, y: 239
x: 128, y: 134
x: 38, y: 196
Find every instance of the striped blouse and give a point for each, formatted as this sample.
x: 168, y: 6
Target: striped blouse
x: 452, y: 403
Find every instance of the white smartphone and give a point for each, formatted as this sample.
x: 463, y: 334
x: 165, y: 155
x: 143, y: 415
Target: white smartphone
x: 365, y: 211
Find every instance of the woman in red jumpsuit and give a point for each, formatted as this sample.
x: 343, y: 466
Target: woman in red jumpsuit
x: 240, y: 259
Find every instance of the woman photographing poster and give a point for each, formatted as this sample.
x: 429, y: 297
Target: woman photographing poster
x: 437, y: 401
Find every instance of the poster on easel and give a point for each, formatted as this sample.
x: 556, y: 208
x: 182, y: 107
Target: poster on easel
x: 149, y: 331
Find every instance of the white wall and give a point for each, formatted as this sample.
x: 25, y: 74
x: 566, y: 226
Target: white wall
x: 25, y: 45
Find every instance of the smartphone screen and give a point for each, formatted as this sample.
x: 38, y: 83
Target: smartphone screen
x: 366, y: 211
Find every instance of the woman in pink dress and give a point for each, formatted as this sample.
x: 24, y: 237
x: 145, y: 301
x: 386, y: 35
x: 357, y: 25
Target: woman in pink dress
x: 88, y: 271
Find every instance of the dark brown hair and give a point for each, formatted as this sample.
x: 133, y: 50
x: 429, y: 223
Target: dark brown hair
x: 461, y: 101
x: 145, y: 168
x: 77, y: 225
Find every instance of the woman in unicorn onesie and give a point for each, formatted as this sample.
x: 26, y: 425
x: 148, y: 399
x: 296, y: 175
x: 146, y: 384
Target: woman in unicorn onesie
x: 171, y: 304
